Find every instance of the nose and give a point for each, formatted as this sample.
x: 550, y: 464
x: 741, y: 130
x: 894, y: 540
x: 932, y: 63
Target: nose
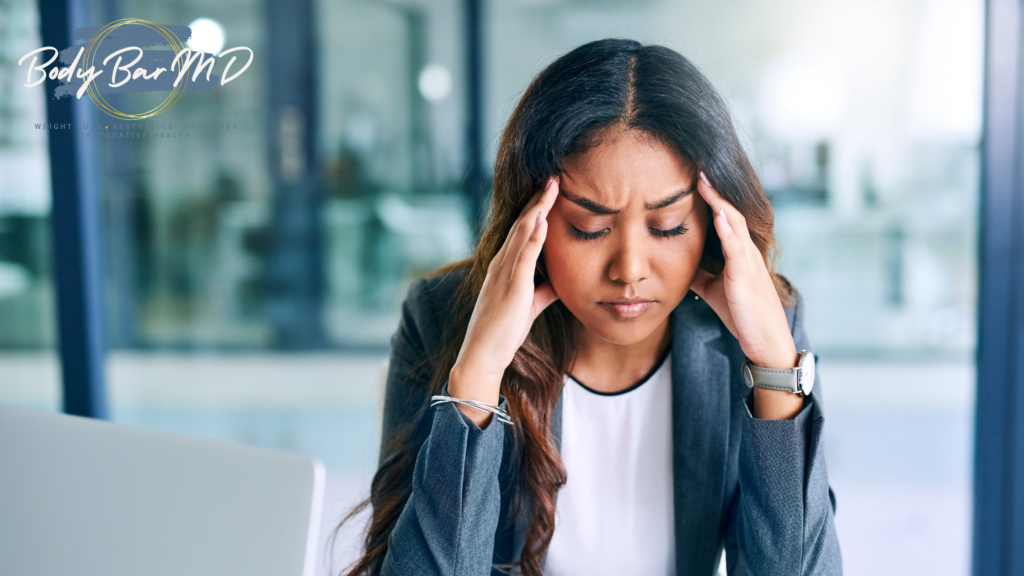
x: 630, y: 261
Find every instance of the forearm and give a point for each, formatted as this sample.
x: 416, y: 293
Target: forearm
x: 448, y: 524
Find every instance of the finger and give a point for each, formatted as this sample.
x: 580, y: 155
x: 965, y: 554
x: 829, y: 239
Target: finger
x: 526, y: 259
x: 710, y: 195
x: 543, y: 297
x: 547, y: 199
x: 525, y: 215
x: 527, y: 223
x: 732, y: 245
x: 717, y: 203
x: 499, y: 256
x: 542, y: 200
x: 518, y: 238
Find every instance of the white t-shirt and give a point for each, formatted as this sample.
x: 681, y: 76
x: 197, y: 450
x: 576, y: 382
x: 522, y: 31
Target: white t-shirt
x: 615, y: 513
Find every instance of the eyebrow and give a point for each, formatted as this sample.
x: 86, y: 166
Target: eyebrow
x: 602, y: 210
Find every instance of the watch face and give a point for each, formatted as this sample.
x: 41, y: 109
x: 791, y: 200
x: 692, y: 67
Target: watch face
x: 806, y: 372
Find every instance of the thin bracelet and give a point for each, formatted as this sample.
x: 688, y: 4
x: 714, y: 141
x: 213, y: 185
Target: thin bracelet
x: 499, y: 414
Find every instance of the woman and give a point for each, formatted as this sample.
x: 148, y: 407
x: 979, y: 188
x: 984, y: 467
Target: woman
x: 602, y: 328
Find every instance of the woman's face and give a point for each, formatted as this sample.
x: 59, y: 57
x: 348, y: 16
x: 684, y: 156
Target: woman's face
x: 625, y: 235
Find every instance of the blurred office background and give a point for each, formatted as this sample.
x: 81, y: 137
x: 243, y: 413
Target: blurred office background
x: 254, y: 274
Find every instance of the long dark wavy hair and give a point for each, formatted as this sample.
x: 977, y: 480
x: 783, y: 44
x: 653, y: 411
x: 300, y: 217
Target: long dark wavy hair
x: 600, y: 85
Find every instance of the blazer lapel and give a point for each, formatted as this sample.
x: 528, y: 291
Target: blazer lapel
x: 700, y: 434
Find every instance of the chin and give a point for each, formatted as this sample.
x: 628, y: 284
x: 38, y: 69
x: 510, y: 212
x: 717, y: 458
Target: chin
x: 623, y: 332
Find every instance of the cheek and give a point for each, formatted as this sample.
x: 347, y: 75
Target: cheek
x: 572, y: 265
x: 676, y: 263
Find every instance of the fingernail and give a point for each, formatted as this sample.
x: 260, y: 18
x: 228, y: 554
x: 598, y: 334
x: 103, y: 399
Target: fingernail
x: 725, y: 221
x: 704, y: 178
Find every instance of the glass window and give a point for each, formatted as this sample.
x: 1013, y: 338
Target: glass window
x: 392, y: 158
x: 863, y: 120
x: 29, y: 366
x: 256, y: 261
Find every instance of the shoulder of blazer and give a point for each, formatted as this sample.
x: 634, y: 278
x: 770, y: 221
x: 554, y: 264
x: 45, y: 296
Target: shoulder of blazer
x: 429, y: 303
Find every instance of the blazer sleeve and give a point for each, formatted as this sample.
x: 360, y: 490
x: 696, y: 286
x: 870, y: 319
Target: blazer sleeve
x: 782, y: 517
x: 448, y: 524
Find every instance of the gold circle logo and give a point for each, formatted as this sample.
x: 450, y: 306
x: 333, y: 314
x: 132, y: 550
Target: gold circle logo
x: 89, y: 57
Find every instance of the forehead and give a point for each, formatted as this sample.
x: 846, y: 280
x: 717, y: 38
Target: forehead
x: 626, y: 166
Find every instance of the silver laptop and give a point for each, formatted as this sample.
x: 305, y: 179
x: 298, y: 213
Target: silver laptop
x: 81, y: 497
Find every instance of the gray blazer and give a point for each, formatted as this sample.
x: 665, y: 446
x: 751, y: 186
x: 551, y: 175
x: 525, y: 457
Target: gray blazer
x: 758, y: 488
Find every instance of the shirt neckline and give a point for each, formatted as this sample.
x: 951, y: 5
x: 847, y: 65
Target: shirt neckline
x: 653, y: 371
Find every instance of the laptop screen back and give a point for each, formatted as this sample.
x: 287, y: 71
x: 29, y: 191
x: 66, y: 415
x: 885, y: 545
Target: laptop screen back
x: 90, y: 498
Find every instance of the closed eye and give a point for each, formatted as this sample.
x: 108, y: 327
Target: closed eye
x: 677, y: 231
x: 581, y: 235
x: 658, y: 232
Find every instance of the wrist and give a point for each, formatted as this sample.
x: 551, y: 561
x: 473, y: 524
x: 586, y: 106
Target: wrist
x: 782, y: 359
x: 470, y: 383
x: 776, y: 404
x: 777, y: 390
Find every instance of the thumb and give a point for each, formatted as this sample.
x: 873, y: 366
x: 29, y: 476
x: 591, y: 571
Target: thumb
x: 700, y: 282
x: 543, y: 296
x: 714, y: 296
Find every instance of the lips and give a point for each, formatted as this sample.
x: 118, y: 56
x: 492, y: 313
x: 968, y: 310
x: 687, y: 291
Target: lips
x: 627, y: 307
